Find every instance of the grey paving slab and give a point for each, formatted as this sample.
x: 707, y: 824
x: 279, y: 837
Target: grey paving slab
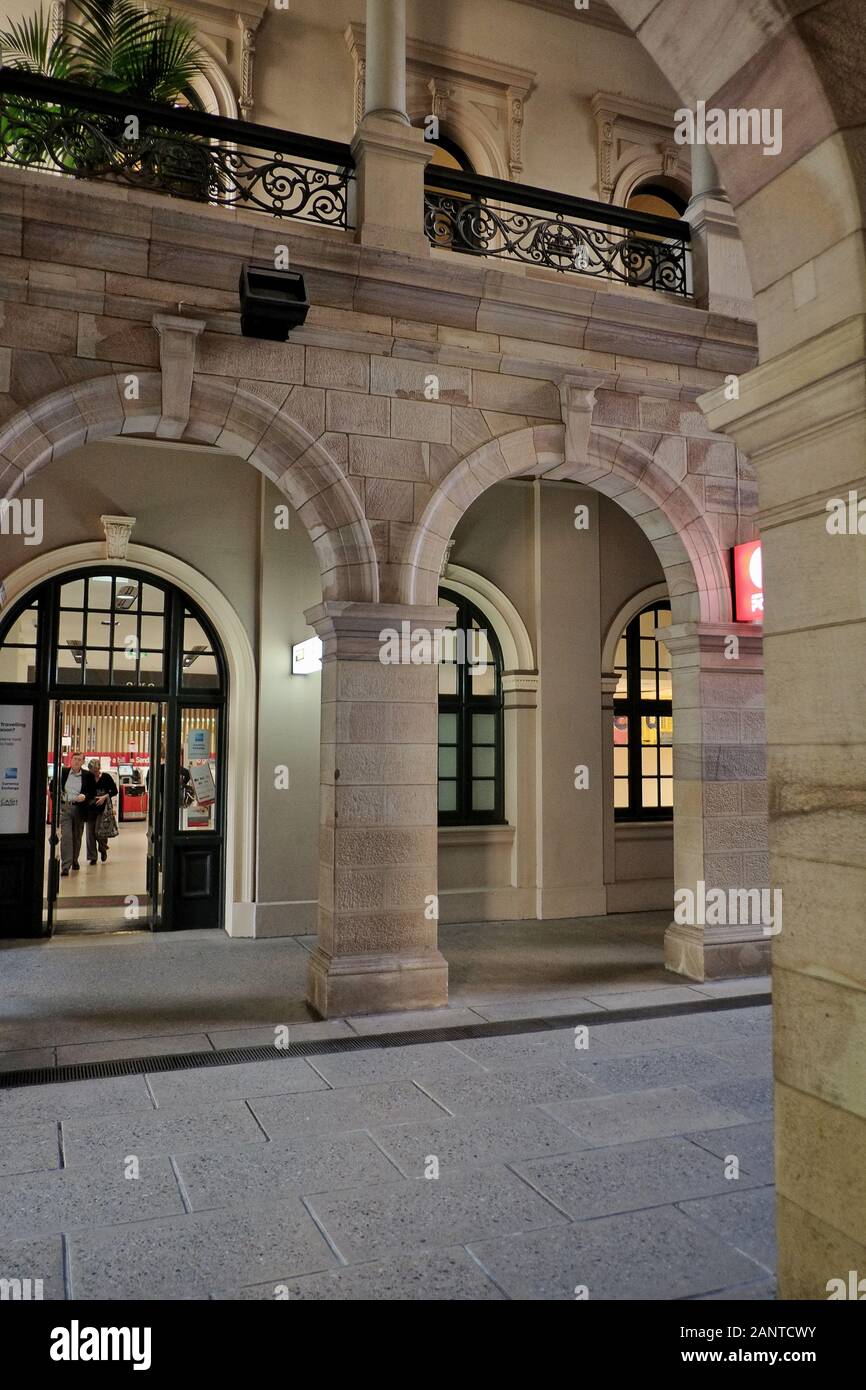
x: 34, y: 1259
x: 751, y: 1095
x: 416, y: 1060
x: 264, y: 1035
x: 335, y: 1111
x: 543, y: 1047
x: 199, y: 1255
x: 107, y: 1139
x: 27, y: 1060
x: 493, y: 1090
x: 537, y: 1008
x: 283, y: 1168
x: 431, y: 1275
x: 372, y: 1024
x: 476, y: 1141
x: 745, y: 1219
x: 641, y: 1255
x: 632, y: 1115
x: 687, y: 1067
x: 29, y: 1148
x: 722, y: 989
x: 751, y: 1143
x: 40, y: 1203
x: 57, y: 1099
x: 133, y: 1047
x: 367, y: 1224
x: 202, y: 1084
x: 725, y: 1026
x: 626, y: 1177
x: 610, y: 1039
x: 660, y: 998
x: 750, y: 1057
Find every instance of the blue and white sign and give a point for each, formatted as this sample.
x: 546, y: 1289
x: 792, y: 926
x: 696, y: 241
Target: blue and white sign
x: 197, y: 745
x: 16, y: 740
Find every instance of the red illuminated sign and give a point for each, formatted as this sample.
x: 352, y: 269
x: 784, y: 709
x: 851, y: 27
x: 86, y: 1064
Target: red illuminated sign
x: 748, y: 583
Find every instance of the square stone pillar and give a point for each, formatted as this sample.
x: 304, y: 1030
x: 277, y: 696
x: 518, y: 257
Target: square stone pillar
x: 720, y: 792
x: 378, y: 907
x: 390, y: 160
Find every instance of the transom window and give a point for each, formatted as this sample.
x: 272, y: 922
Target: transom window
x: 470, y: 720
x: 108, y: 629
x: 643, y: 774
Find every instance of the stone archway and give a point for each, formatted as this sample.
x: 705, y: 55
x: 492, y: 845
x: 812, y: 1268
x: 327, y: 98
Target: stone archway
x: 801, y: 417
x: 719, y: 787
x: 225, y: 415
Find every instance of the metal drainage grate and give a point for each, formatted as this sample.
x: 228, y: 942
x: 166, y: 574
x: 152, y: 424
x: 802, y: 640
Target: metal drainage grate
x: 267, y: 1052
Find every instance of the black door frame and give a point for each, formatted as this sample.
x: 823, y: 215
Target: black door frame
x: 22, y: 857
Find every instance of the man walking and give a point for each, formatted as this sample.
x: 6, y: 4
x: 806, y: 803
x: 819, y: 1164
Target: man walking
x: 77, y: 789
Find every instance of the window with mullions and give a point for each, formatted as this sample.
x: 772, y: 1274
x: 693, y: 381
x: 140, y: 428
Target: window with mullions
x: 643, y: 773
x: 470, y: 720
x: 111, y: 631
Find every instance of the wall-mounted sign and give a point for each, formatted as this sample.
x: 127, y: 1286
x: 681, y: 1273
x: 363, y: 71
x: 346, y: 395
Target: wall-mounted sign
x: 307, y: 657
x: 16, y: 742
x: 197, y: 745
x: 748, y: 583
x: 203, y: 784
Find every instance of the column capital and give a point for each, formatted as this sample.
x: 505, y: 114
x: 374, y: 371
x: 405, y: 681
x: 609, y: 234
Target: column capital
x: 359, y: 631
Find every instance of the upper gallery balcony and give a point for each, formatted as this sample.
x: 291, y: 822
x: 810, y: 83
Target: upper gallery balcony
x: 82, y: 133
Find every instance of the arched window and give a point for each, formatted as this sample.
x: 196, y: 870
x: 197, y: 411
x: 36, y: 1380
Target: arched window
x: 642, y: 720
x: 471, y: 789
x: 658, y: 199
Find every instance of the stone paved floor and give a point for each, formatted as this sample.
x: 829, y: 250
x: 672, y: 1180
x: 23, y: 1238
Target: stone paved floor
x: 305, y: 1178
x: 87, y: 997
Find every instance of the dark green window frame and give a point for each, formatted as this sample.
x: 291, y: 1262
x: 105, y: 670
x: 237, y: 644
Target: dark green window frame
x: 643, y: 674
x: 471, y: 781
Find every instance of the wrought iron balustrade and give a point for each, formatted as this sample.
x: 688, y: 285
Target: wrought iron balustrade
x: 491, y: 217
x: 66, y: 128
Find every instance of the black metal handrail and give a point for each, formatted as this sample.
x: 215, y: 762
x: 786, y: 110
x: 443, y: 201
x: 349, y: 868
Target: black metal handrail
x: 78, y: 130
x: 491, y: 217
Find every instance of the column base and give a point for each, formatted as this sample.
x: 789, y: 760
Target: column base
x: 706, y: 953
x: 339, y: 986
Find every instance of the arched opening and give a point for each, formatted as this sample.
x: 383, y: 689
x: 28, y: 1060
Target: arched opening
x: 113, y: 686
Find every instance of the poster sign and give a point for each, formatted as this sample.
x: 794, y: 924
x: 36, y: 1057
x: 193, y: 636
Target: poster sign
x: 16, y: 742
x: 748, y: 583
x: 197, y: 745
x: 203, y: 783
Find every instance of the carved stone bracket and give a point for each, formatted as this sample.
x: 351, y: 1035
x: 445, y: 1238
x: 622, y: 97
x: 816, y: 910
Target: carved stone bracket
x: 246, y: 98
x: 118, y: 530
x: 578, y: 403
x: 177, y: 340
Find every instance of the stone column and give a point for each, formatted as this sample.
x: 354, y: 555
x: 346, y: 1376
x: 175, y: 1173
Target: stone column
x: 802, y: 419
x: 385, y: 76
x: 378, y: 907
x: 390, y: 155
x: 720, y: 275
x: 720, y: 792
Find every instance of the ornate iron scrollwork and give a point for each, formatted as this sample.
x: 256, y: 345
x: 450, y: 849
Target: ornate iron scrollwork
x: 481, y: 228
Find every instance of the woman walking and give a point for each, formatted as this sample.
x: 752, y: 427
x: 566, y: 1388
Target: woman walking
x: 101, y: 821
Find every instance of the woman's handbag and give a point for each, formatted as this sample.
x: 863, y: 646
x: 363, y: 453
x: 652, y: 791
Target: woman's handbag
x: 106, y: 822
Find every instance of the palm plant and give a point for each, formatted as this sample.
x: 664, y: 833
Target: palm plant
x: 149, y: 56
x: 116, y: 46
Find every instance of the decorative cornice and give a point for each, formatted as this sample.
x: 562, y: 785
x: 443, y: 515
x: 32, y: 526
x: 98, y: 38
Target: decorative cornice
x: 444, y: 63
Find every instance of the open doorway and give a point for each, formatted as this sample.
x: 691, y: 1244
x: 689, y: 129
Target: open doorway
x: 98, y: 869
x: 121, y: 668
